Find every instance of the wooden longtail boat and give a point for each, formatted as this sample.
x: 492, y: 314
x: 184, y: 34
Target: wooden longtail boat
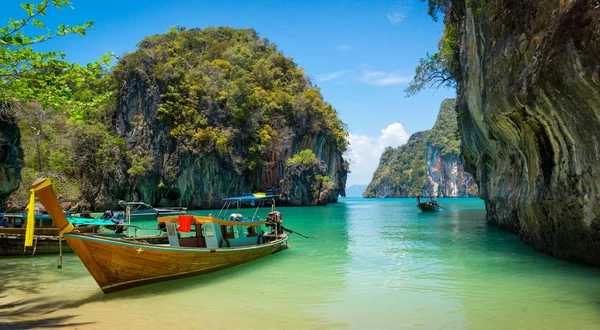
x: 430, y: 206
x: 117, y: 264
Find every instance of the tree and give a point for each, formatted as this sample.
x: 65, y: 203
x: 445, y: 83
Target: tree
x: 431, y: 73
x: 34, y: 116
x: 442, y: 68
x: 435, y: 7
x: 45, y: 77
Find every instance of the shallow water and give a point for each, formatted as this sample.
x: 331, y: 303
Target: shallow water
x: 377, y: 264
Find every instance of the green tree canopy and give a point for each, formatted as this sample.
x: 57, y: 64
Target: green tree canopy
x: 46, y: 77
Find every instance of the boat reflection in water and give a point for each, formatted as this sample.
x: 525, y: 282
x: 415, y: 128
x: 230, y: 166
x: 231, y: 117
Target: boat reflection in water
x: 213, y: 244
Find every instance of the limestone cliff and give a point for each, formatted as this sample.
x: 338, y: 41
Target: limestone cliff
x: 446, y: 176
x: 529, y: 109
x: 217, y: 112
x: 429, y: 164
x: 11, y: 157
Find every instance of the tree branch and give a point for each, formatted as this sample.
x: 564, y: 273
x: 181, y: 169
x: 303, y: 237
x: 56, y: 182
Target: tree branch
x: 29, y: 19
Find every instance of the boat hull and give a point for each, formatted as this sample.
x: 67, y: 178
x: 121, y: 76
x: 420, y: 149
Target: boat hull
x: 426, y: 207
x: 117, y: 265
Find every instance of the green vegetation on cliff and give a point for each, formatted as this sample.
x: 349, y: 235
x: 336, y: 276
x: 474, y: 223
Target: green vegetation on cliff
x: 218, y: 93
x: 226, y: 90
x: 315, y: 185
x: 444, y: 134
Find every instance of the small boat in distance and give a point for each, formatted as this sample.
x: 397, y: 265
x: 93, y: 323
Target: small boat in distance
x: 197, y: 245
x: 139, y: 211
x: 430, y: 206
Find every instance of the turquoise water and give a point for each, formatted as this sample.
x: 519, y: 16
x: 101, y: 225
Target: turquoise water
x: 376, y: 264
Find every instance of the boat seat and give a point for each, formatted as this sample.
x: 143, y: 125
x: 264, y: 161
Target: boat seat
x: 188, y: 241
x: 195, y: 241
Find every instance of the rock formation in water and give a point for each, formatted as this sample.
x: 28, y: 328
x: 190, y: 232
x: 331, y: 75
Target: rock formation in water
x: 428, y: 164
x: 217, y: 112
x: 11, y: 157
x: 529, y: 109
x: 306, y: 180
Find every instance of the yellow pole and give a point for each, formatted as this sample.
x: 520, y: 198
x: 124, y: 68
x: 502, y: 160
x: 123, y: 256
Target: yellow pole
x: 30, y: 220
x: 42, y: 188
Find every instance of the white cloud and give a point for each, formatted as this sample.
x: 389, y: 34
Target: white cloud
x: 396, y: 16
x: 332, y: 75
x: 345, y: 47
x: 381, y: 78
x: 367, y: 76
x: 364, y: 151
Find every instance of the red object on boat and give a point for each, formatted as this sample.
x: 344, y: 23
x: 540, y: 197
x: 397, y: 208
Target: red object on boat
x: 185, y: 223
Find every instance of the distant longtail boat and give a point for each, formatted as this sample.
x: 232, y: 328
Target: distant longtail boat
x: 430, y: 206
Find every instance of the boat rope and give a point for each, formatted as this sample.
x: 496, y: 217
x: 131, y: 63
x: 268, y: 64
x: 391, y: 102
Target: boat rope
x: 65, y: 230
x: 35, y: 245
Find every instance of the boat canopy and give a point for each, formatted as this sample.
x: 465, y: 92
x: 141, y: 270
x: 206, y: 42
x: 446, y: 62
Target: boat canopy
x: 254, y: 197
x: 203, y: 219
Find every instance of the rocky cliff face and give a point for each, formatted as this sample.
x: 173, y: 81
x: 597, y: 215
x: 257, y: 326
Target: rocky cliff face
x: 429, y: 164
x: 239, y: 127
x: 11, y: 157
x: 529, y: 109
x: 202, y: 182
x: 446, y: 176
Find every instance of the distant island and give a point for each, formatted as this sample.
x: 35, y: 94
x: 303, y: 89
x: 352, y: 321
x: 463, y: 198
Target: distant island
x: 356, y: 190
x: 428, y: 164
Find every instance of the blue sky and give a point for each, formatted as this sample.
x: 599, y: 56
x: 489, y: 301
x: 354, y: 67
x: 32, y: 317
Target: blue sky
x: 361, y: 54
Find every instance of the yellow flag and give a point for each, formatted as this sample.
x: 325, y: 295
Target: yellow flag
x: 30, y: 220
